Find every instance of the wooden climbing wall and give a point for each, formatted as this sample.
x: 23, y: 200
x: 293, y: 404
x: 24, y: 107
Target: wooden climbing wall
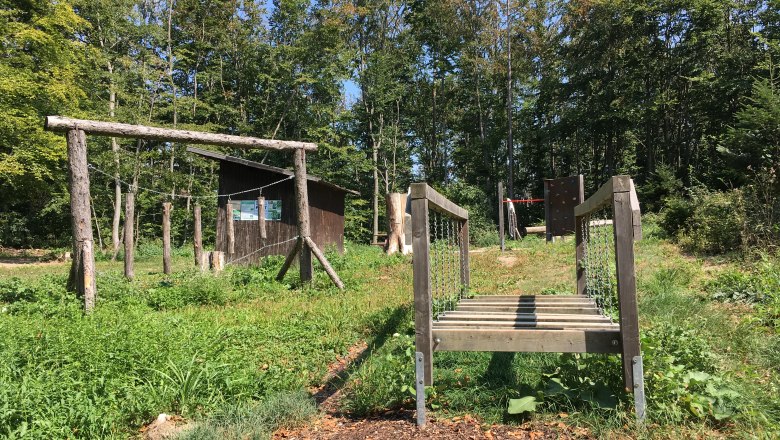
x: 560, y: 197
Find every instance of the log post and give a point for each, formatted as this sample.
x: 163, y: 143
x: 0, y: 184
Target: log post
x: 217, y: 261
x: 231, y: 230
x: 197, y: 242
x: 396, y: 238
x: 325, y: 264
x: 302, y: 205
x: 261, y: 217
x: 166, y: 230
x: 82, y: 276
x: 501, y: 214
x: 129, y: 235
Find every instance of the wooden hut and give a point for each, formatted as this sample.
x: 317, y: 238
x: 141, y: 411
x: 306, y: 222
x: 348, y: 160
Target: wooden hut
x: 242, y: 178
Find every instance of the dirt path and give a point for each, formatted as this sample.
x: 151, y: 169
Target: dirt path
x: 334, y: 423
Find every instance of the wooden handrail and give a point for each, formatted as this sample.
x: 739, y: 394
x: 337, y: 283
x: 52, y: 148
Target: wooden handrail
x: 438, y: 202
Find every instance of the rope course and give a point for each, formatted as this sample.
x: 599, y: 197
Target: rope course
x: 446, y: 253
x: 599, y: 260
x: 168, y: 194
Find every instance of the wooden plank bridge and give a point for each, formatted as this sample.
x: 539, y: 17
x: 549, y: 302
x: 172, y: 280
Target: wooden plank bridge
x: 600, y: 317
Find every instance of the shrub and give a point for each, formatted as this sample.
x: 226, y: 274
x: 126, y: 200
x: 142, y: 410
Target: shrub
x: 708, y: 222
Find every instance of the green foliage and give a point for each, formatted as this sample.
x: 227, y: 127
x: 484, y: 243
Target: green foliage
x: 708, y: 222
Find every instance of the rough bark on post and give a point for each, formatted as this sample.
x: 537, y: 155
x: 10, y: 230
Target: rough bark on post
x: 302, y: 204
x: 197, y: 242
x: 396, y: 237
x: 129, y: 235
x: 88, y: 275
x: 261, y: 217
x: 166, y: 230
x: 80, y: 215
x: 231, y: 229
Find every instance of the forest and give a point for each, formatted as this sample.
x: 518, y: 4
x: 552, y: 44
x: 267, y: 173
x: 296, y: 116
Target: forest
x: 464, y: 95
x: 680, y: 95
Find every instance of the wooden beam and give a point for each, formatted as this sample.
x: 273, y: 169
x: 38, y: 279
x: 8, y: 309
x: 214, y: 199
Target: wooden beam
x: 603, y: 195
x: 197, y: 242
x: 115, y: 129
x: 289, y: 260
x: 166, y: 231
x: 261, y: 217
x: 527, y: 340
x: 438, y: 202
x: 501, y: 215
x: 626, y: 284
x: 302, y: 205
x: 82, y: 276
x: 423, y: 319
x: 129, y: 235
x: 324, y: 261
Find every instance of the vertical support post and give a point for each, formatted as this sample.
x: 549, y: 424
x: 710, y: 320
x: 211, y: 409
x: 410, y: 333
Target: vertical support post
x: 231, y: 231
x: 501, y: 214
x: 419, y: 386
x: 129, y: 235
x: 261, y: 217
x: 423, y: 319
x: 465, y: 275
x: 166, y: 231
x: 302, y: 204
x: 623, y: 230
x: 82, y: 270
x: 579, y: 246
x: 547, y: 222
x: 197, y: 242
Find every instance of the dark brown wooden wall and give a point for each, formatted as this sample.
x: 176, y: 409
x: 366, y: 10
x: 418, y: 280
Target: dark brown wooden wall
x: 326, y: 214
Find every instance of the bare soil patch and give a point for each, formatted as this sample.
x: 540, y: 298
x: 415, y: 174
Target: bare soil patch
x: 508, y: 260
x: 401, y: 425
x: 164, y: 427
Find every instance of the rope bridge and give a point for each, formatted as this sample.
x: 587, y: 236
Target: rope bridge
x: 601, y: 317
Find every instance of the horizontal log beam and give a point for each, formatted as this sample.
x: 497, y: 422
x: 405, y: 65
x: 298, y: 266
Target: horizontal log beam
x: 603, y: 195
x: 438, y: 202
x: 115, y: 129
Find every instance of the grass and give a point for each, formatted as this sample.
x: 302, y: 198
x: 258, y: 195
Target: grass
x: 233, y: 352
x: 186, y: 344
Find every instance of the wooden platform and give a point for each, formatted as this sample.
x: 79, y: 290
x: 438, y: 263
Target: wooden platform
x: 526, y: 323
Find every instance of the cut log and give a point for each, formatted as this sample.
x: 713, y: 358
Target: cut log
x: 396, y: 237
x: 217, y: 261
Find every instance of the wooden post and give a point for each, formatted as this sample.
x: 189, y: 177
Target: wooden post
x: 82, y: 270
x: 465, y: 275
x: 325, y: 264
x: 197, y: 242
x: 501, y: 214
x: 166, y: 231
x: 231, y: 230
x: 547, y: 221
x: 261, y: 217
x: 579, y: 246
x: 129, y: 235
x: 302, y: 204
x: 623, y: 230
x: 289, y: 260
x: 423, y: 319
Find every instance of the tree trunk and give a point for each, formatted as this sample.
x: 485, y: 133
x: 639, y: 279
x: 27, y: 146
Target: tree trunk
x: 197, y: 242
x: 129, y: 235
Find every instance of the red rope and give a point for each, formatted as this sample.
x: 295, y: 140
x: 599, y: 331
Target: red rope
x: 524, y: 201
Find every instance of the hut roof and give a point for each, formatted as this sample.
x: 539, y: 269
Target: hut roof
x: 224, y: 157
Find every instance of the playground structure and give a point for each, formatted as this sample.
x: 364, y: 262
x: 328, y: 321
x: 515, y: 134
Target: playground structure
x: 600, y: 317
x: 82, y: 273
x: 560, y: 197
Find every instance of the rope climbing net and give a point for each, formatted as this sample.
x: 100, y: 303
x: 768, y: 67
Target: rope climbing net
x: 599, y: 260
x: 446, y: 262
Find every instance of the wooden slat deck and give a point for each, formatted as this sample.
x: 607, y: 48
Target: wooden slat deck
x: 526, y: 323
